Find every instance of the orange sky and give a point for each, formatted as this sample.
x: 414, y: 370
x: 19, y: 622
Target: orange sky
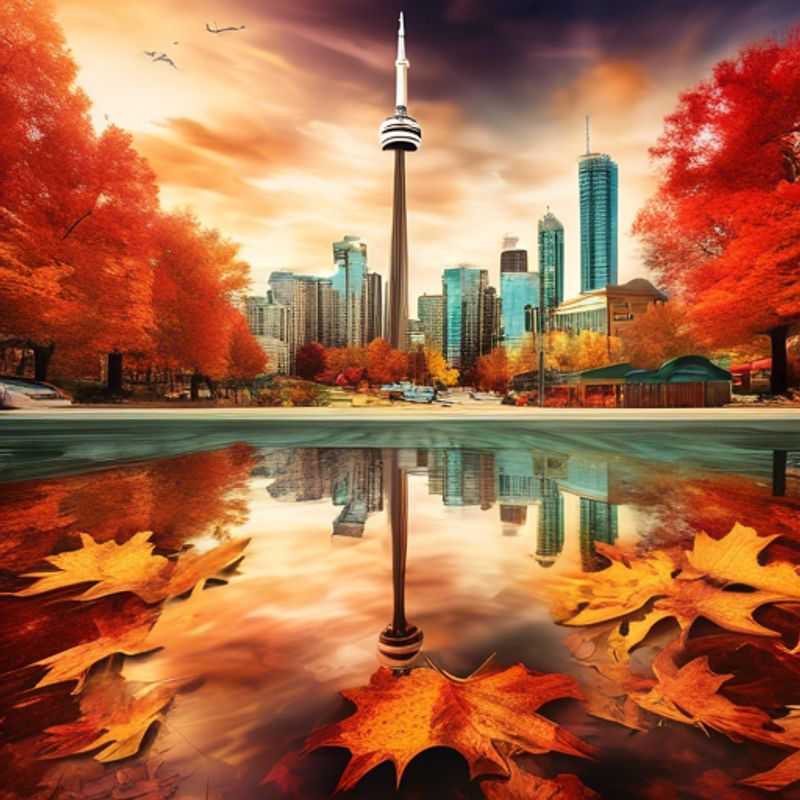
x: 270, y: 133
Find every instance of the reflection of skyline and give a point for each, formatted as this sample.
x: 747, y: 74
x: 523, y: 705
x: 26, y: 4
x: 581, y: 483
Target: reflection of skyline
x: 514, y: 480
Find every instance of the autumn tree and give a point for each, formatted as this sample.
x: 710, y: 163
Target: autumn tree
x: 723, y: 228
x: 493, y: 371
x: 661, y: 333
x: 310, y: 360
x: 340, y: 359
x: 384, y: 363
x: 441, y: 373
x: 197, y: 272
x: 246, y: 358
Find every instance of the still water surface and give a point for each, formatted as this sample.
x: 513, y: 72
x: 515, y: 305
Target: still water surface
x: 489, y: 519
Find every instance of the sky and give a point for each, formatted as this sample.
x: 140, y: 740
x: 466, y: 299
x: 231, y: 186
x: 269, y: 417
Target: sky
x: 271, y: 133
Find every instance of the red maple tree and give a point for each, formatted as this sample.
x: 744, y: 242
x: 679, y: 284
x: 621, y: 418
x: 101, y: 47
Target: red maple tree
x: 723, y: 229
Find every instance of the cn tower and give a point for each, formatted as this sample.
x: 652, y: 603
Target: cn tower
x: 400, y: 133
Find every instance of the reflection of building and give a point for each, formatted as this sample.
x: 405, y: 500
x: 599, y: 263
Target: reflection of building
x: 462, y: 477
x: 597, y: 181
x: 609, y: 309
x: 551, y: 259
x: 598, y: 524
x: 430, y: 313
x: 550, y: 532
x: 352, y: 478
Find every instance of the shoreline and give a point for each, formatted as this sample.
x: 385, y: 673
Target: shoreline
x: 414, y: 413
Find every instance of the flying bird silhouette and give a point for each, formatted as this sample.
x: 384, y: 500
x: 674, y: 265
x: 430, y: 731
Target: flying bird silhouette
x: 215, y: 29
x: 151, y: 53
x: 166, y: 59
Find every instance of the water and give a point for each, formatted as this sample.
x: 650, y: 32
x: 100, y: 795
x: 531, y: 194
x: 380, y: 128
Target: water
x: 487, y: 518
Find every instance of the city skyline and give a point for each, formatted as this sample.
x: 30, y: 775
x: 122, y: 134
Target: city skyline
x: 267, y: 166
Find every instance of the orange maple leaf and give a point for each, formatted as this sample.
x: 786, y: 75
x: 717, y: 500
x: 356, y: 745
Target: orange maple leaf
x: 398, y: 717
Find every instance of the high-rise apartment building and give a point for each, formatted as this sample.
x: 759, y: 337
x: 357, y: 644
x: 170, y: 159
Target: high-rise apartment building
x: 430, y: 311
x: 272, y: 325
x: 463, y: 288
x: 512, y: 259
x: 491, y: 318
x: 598, y: 182
x: 350, y: 259
x: 551, y: 259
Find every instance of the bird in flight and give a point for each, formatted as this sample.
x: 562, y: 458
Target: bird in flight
x: 166, y: 59
x: 215, y: 29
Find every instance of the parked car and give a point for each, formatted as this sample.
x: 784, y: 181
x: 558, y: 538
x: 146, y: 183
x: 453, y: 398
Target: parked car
x: 23, y: 393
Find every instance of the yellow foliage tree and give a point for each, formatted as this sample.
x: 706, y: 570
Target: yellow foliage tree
x: 438, y: 368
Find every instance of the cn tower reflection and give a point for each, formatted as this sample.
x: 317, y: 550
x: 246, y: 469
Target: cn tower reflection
x: 400, y: 642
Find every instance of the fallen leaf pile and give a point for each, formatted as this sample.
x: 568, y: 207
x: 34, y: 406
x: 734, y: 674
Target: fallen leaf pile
x: 485, y: 717
x: 724, y: 581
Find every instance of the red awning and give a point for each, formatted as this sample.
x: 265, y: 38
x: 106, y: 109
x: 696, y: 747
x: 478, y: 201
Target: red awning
x: 755, y: 366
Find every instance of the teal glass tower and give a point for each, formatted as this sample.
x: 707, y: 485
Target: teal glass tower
x: 598, y: 181
x: 462, y: 292
x: 551, y: 259
x: 350, y: 259
x: 520, y: 299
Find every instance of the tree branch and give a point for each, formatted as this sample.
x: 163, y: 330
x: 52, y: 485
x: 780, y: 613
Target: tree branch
x: 77, y: 222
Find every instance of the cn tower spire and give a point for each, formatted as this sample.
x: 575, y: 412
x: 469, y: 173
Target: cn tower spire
x: 401, y: 68
x: 400, y: 133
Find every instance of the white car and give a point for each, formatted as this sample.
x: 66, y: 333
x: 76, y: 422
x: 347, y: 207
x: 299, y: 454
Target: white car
x: 24, y: 393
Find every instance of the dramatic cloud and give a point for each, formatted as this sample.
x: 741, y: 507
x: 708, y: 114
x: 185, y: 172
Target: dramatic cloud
x: 270, y: 133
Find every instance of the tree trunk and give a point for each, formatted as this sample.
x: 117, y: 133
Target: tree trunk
x: 779, y: 373
x: 41, y: 361
x: 212, y: 388
x: 114, y: 373
x: 195, y: 386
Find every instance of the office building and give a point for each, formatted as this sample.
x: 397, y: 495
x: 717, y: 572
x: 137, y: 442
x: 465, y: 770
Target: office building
x: 608, y: 310
x: 463, y: 302
x: 551, y: 259
x: 512, y: 259
x: 430, y: 310
x: 373, y: 307
x: 597, y: 182
x: 519, y: 292
x: 350, y: 260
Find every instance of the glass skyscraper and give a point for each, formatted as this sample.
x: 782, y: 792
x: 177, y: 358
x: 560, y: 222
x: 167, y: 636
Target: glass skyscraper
x: 551, y: 259
x: 462, y: 292
x: 519, y: 292
x: 597, y: 180
x: 350, y: 259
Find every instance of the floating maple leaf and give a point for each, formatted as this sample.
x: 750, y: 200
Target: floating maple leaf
x: 679, y: 592
x: 113, y: 719
x: 398, y: 717
x: 734, y: 560
x: 522, y: 785
x: 131, y: 567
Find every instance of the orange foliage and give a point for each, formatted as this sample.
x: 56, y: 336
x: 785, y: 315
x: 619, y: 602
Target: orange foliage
x: 384, y: 364
x: 661, y: 333
x: 246, y: 359
x: 493, y: 371
x: 723, y: 227
x: 80, y: 229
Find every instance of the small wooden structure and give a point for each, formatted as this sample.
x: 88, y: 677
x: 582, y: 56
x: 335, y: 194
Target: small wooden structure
x: 682, y: 382
x: 601, y: 386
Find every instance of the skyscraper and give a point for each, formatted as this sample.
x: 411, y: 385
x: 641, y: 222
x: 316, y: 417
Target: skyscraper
x: 512, y: 259
x: 519, y: 292
x: 463, y: 303
x: 373, y: 307
x: 597, y: 183
x: 400, y: 133
x: 431, y: 315
x: 350, y: 259
x: 551, y: 259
